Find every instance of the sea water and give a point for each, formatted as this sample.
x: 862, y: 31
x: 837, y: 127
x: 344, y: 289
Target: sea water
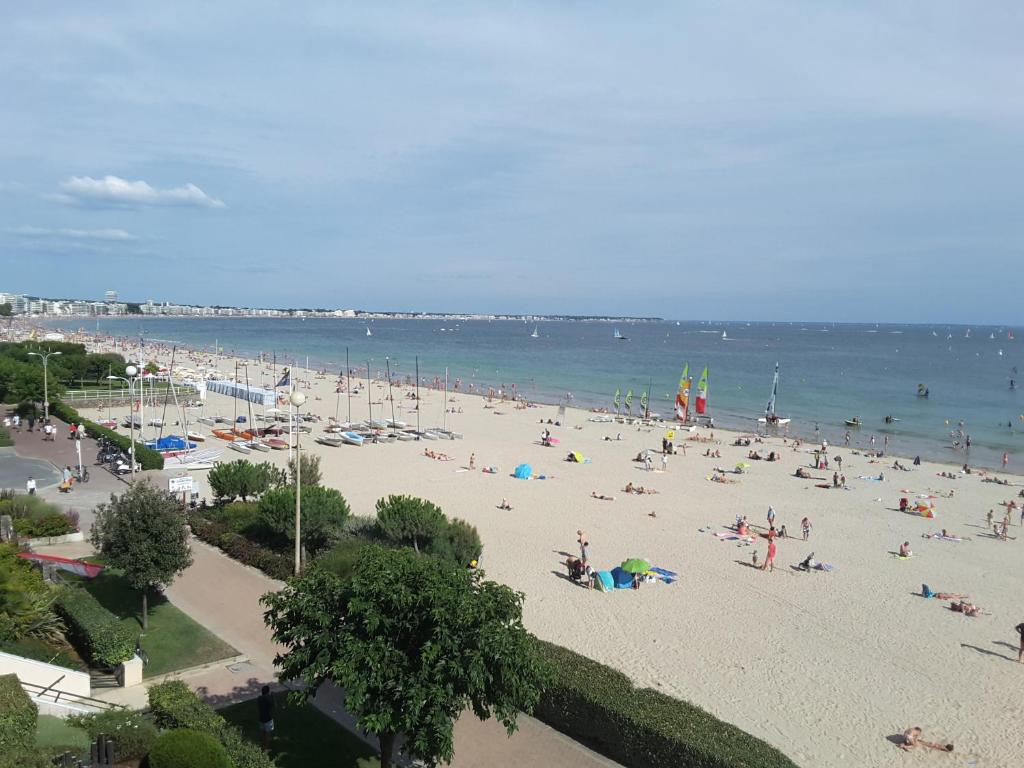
x: 828, y: 372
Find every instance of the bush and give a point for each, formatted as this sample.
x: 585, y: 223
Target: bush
x: 324, y: 511
x: 147, y: 457
x: 52, y: 524
x: 242, y: 479
x: 18, y: 716
x: 220, y: 535
x: 34, y: 757
x: 5, y: 438
x: 186, y: 748
x: 31, y: 648
x: 406, y: 519
x: 175, y: 706
x: 641, y: 727
x: 341, y: 558
x: 95, y: 632
x: 240, y: 516
x: 458, y: 543
x: 133, y: 734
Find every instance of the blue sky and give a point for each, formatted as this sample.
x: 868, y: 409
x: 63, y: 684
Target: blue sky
x: 837, y: 161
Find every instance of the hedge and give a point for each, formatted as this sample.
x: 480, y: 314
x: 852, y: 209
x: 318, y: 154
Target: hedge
x: 17, y: 716
x: 641, y: 727
x: 174, y: 705
x: 95, y: 632
x: 222, y: 535
x: 186, y: 748
x: 147, y: 457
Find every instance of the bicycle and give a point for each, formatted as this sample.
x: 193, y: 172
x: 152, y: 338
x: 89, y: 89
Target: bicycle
x: 83, y: 476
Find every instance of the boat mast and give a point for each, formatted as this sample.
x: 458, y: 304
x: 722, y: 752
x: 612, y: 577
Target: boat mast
x: 369, y: 398
x: 769, y: 411
x: 348, y: 388
x: 248, y: 399
x: 444, y: 417
x: 391, y: 397
x: 417, y: 394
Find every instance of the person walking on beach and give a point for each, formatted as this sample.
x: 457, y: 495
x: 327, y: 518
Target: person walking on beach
x: 265, y: 711
x: 769, y: 561
x: 1020, y: 653
x: 664, y: 462
x: 472, y: 461
x: 1006, y: 459
x: 839, y: 463
x: 988, y: 519
x: 648, y: 464
x: 771, y: 516
x: 805, y: 528
x: 581, y: 538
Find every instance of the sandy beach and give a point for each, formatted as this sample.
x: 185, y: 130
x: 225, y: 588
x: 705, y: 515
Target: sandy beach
x: 825, y: 665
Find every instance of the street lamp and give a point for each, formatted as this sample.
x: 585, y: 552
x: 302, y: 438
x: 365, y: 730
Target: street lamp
x: 46, y: 381
x: 297, y: 399
x: 131, y: 371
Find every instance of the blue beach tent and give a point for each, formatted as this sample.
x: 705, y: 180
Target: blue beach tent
x: 523, y: 472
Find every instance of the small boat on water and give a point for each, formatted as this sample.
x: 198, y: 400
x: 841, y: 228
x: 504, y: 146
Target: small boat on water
x: 618, y: 336
x: 854, y: 422
x: 535, y: 335
x: 770, y: 418
x: 368, y: 331
x: 352, y: 438
x: 891, y: 419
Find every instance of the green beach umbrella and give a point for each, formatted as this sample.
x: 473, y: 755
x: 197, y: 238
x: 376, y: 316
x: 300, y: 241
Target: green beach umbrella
x: 635, y: 565
x: 742, y: 465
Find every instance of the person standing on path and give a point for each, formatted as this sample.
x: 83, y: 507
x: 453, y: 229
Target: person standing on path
x: 265, y: 707
x: 769, y: 561
x: 17, y: 423
x: 30, y: 486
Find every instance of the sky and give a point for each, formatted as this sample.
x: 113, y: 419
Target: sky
x: 857, y: 161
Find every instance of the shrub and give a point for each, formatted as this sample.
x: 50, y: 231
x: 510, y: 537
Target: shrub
x: 147, y: 457
x: 341, y: 558
x: 18, y: 716
x: 311, y: 473
x: 51, y: 524
x: 220, y: 535
x: 31, y: 648
x: 406, y: 519
x: 34, y: 757
x: 5, y: 438
x: 324, y: 511
x: 458, y: 543
x: 175, y: 706
x: 94, y: 631
x: 641, y: 727
x: 186, y: 748
x: 242, y: 479
x: 240, y: 516
x: 133, y: 734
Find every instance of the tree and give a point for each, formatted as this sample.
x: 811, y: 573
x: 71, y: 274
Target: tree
x: 413, y: 642
x: 408, y: 519
x: 152, y: 367
x: 242, y: 479
x: 143, y: 533
x: 324, y: 511
x: 459, y: 543
x: 311, y: 473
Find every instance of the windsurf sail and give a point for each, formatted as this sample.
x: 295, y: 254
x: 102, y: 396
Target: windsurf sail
x: 683, y: 397
x: 629, y: 401
x: 643, y: 400
x: 617, y: 401
x: 702, y: 392
x: 769, y: 411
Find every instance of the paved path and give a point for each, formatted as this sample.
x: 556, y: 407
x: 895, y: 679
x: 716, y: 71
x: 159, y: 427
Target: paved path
x: 223, y: 595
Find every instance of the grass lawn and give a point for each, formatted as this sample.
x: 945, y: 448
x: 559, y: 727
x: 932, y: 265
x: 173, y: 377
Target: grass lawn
x: 174, y: 641
x: 303, y: 736
x: 56, y: 733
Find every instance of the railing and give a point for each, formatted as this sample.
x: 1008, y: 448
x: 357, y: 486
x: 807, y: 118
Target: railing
x: 56, y: 696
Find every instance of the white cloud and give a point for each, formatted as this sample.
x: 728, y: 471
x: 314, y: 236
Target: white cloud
x: 118, y: 191
x: 107, y: 235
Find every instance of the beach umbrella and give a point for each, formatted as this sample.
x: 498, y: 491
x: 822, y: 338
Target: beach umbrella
x: 635, y: 565
x: 742, y: 465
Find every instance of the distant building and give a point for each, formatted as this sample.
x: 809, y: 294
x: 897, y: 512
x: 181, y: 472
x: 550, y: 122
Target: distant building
x: 110, y: 297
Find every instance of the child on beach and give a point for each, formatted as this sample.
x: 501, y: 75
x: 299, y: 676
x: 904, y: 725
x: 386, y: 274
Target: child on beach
x: 805, y: 528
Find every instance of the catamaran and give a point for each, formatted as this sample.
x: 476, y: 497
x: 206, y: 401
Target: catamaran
x: 771, y: 418
x: 683, y: 396
x: 619, y: 336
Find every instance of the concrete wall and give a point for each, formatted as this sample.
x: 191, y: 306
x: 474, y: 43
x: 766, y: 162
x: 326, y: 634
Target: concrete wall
x: 40, y: 673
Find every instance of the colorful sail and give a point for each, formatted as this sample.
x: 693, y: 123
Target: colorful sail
x: 769, y: 411
x: 683, y: 397
x: 702, y: 392
x: 643, y: 400
x: 629, y: 400
x: 618, y: 401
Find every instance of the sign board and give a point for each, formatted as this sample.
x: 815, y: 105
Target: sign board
x: 179, y: 484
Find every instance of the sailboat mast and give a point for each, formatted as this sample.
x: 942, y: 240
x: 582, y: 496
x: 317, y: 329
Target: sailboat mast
x: 417, y: 393
x: 391, y: 397
x: 248, y: 399
x: 369, y: 398
x: 348, y: 387
x: 770, y: 410
x: 444, y: 417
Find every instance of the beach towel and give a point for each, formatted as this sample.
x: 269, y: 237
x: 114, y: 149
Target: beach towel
x: 827, y: 567
x: 669, y: 577
x: 866, y: 477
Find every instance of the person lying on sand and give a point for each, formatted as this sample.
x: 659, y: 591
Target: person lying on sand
x: 926, y: 592
x: 601, y: 496
x: 912, y: 738
x: 802, y: 473
x: 967, y: 609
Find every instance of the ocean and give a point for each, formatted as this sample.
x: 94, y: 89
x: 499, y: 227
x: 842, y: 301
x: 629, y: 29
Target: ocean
x: 828, y: 372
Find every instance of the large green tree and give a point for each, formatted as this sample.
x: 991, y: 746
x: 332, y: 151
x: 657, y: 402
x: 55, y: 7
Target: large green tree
x: 409, y: 520
x: 143, y: 533
x: 414, y: 642
x: 242, y: 479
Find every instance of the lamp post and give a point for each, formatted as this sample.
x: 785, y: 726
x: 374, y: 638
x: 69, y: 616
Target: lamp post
x: 46, y: 381
x: 131, y: 371
x: 297, y: 399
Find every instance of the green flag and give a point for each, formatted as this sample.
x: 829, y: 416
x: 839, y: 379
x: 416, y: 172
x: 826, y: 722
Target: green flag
x: 643, y: 400
x: 618, y: 402
x: 629, y: 399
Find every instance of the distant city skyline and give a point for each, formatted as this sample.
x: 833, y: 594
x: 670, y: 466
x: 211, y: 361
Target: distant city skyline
x: 795, y: 161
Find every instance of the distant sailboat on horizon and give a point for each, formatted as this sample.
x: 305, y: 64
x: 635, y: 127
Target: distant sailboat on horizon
x: 725, y: 336
x: 619, y: 336
x: 535, y: 335
x: 368, y: 331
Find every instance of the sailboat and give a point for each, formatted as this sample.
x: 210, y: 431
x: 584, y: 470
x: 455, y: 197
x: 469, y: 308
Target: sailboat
x: 683, y: 396
x: 368, y: 331
x: 702, y: 393
x: 725, y: 336
x: 771, y: 418
x: 619, y: 336
x: 535, y: 335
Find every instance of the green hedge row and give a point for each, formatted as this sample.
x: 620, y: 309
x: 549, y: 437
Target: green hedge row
x: 17, y: 716
x: 641, y: 727
x: 237, y: 546
x: 94, y: 631
x: 174, y: 705
x: 147, y: 457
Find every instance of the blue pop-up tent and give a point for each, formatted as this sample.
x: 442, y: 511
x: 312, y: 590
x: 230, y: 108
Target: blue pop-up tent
x: 523, y: 472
